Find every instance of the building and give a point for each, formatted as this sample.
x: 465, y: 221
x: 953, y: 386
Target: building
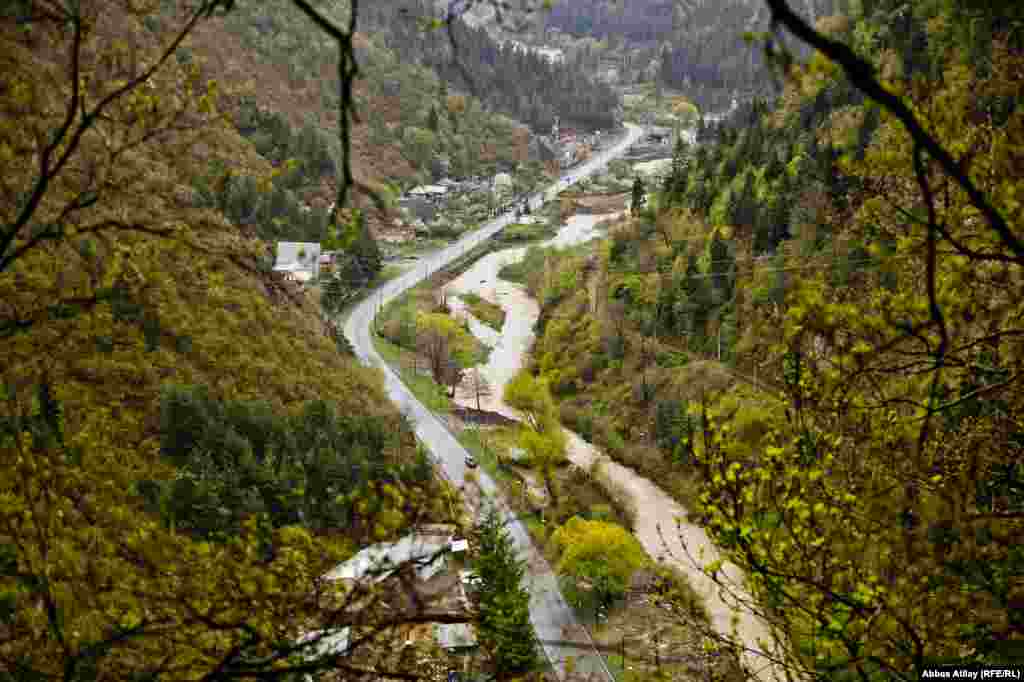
x: 552, y: 55
x: 455, y: 636
x: 429, y: 191
x: 298, y: 260
x: 327, y: 262
x: 502, y: 183
x: 427, y: 551
x: 416, y: 578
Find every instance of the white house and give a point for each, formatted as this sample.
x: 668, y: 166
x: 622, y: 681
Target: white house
x: 429, y: 191
x: 300, y: 259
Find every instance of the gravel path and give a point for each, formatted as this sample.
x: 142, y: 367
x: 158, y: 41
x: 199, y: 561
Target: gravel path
x: 661, y: 525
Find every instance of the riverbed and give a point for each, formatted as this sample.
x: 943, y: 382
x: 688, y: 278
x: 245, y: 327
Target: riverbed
x: 661, y: 525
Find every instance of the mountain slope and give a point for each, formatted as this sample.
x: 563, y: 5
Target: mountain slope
x: 812, y: 339
x: 176, y: 425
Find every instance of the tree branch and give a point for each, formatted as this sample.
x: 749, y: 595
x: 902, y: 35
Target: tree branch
x: 47, y: 174
x: 862, y: 74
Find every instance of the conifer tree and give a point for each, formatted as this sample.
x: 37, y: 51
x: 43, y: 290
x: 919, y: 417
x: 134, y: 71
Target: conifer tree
x: 505, y: 629
x: 639, y: 195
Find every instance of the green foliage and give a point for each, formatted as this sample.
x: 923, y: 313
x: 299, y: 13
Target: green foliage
x: 238, y: 459
x: 162, y: 530
x: 531, y: 395
x: 489, y: 313
x: 601, y: 555
x: 639, y: 195
x: 504, y: 604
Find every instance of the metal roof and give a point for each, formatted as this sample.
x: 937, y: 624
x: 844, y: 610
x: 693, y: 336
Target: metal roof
x: 387, y: 557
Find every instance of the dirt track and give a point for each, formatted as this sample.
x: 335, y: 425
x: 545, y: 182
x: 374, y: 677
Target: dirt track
x: 661, y: 525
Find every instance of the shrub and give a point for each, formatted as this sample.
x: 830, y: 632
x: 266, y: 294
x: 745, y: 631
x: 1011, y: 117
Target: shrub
x: 615, y: 442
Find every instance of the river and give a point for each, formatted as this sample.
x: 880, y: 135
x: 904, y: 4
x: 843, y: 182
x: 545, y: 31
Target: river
x: 661, y: 525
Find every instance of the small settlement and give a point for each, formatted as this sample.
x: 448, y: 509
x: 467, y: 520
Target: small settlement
x: 422, y: 573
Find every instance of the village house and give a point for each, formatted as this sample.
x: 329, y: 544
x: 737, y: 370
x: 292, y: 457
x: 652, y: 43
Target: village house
x: 432, y: 192
x: 420, y: 573
x: 298, y: 261
x: 327, y: 261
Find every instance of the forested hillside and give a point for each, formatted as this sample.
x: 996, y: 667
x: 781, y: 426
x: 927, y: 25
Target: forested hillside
x: 184, y: 447
x: 699, y: 43
x: 522, y: 84
x: 279, y: 85
x: 811, y: 336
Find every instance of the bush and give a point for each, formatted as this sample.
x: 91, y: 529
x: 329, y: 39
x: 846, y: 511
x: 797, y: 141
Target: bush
x: 577, y: 419
x: 616, y: 444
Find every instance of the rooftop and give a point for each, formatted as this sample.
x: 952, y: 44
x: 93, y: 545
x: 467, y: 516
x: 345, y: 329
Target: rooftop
x: 385, y: 558
x: 427, y: 190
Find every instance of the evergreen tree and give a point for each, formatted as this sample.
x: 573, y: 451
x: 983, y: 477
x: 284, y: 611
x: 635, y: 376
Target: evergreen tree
x: 866, y: 131
x: 639, y: 195
x: 723, y: 266
x: 505, y: 629
x: 364, y: 248
x: 744, y: 205
x: 433, y: 120
x: 675, y: 184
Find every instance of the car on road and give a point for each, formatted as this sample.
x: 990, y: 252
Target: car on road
x: 471, y: 461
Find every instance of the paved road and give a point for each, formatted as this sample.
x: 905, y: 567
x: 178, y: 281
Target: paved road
x: 552, y: 618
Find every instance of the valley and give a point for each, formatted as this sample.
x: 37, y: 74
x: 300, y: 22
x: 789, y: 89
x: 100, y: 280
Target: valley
x: 517, y: 341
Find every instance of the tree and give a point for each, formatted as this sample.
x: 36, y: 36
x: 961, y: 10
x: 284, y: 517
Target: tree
x: 419, y: 145
x: 888, y: 411
x: 363, y: 249
x: 531, y: 395
x: 600, y: 554
x: 445, y: 344
x: 639, y: 196
x: 546, y: 451
x: 504, y: 613
x: 433, y: 121
x: 479, y: 386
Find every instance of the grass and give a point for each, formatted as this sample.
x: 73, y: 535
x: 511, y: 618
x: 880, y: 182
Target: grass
x: 517, y: 272
x: 415, y: 247
x: 426, y: 390
x: 489, y: 313
x: 518, y: 233
x: 388, y: 273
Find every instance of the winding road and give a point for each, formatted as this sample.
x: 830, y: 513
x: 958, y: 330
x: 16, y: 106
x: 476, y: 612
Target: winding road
x: 552, y: 618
